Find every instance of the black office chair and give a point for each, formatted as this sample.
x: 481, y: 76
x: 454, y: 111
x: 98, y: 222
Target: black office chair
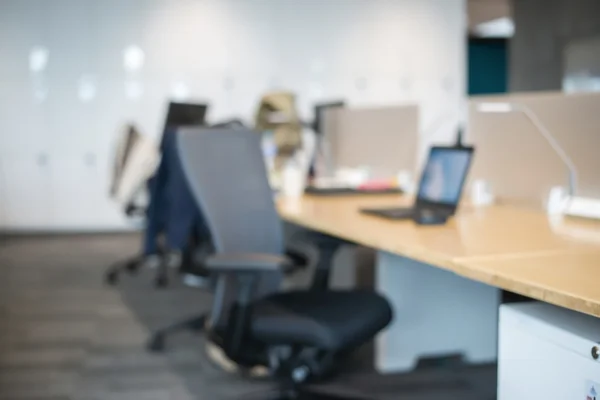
x: 299, y: 335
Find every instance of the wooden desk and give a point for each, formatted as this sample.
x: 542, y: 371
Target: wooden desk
x: 516, y: 249
x: 474, y: 232
x: 570, y: 279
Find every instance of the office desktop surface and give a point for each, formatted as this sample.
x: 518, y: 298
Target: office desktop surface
x: 492, y: 231
x: 569, y: 279
x: 509, y: 247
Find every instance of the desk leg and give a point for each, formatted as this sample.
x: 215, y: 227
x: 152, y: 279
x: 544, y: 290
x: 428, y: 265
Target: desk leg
x: 436, y: 313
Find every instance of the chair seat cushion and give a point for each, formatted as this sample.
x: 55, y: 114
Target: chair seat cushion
x: 328, y: 320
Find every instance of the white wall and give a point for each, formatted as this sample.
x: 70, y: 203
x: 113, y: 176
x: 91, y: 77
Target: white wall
x: 57, y: 126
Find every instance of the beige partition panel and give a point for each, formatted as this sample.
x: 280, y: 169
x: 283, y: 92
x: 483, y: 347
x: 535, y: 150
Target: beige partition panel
x: 518, y: 161
x: 385, y: 139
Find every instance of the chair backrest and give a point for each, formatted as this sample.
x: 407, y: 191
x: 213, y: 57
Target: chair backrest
x: 226, y: 172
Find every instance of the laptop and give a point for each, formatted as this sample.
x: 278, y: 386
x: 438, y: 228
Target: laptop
x: 185, y: 114
x: 440, y: 189
x: 181, y: 115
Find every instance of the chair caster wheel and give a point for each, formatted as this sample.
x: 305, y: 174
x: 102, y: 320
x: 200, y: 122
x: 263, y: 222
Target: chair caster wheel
x: 156, y: 344
x: 198, y: 325
x: 111, y: 278
x: 132, y: 266
x: 161, y: 281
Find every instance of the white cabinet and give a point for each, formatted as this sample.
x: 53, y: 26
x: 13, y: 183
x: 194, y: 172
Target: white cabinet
x: 547, y: 352
x: 2, y: 197
x: 23, y: 120
x: 70, y: 123
x: 75, y: 95
x: 57, y: 192
x: 80, y: 194
x: 26, y: 191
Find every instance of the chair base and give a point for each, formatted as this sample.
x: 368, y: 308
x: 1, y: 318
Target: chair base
x: 308, y: 395
x: 130, y: 266
x: 157, y: 341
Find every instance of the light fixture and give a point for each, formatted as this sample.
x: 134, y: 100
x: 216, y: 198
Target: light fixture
x: 180, y: 91
x: 133, y: 58
x: 38, y: 59
x: 86, y: 89
x: 495, y: 107
x: 497, y: 28
x: 507, y: 107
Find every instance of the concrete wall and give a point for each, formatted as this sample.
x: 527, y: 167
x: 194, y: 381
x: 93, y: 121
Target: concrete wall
x: 544, y: 28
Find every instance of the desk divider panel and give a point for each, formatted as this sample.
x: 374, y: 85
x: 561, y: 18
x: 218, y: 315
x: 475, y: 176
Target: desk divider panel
x: 385, y: 139
x: 518, y: 161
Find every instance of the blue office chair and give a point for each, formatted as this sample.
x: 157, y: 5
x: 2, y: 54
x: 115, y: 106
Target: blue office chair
x: 298, y: 335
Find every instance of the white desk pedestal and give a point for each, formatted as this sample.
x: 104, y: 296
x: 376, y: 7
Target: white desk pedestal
x: 436, y: 312
x: 546, y: 353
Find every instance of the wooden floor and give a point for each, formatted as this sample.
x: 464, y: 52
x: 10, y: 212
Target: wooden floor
x: 64, y: 335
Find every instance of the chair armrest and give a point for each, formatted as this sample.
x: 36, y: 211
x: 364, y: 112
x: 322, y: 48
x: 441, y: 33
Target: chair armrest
x: 249, y: 262
x: 301, y: 255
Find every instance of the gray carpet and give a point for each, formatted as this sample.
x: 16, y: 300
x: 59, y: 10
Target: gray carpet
x: 64, y: 335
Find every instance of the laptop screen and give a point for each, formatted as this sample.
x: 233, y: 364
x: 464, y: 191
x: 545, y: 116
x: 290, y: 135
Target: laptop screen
x: 185, y: 114
x: 444, y: 175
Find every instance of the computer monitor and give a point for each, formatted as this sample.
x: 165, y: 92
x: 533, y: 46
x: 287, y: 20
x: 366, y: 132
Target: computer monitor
x: 444, y: 176
x: 185, y: 114
x: 320, y: 109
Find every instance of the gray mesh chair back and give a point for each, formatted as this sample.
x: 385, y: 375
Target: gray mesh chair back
x: 227, y: 176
